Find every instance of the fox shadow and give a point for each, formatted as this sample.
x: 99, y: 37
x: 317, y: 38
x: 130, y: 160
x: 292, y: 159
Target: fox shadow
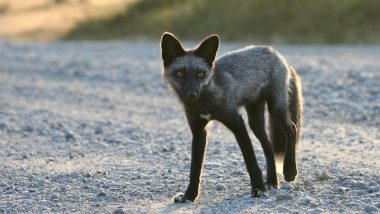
x: 231, y: 204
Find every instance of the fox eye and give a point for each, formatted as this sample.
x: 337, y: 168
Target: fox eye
x: 200, y: 74
x: 179, y: 74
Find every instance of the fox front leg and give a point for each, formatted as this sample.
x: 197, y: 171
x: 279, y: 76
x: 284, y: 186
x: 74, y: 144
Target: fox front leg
x: 198, y: 129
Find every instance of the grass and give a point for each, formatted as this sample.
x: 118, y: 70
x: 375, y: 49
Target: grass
x: 274, y: 21
x: 46, y: 20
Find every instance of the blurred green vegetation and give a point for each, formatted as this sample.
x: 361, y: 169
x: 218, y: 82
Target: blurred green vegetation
x: 273, y: 21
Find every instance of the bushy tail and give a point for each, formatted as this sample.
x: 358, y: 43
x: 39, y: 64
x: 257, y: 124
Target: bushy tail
x: 295, y: 108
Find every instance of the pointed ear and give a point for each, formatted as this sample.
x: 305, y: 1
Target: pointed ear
x: 208, y: 48
x: 171, y: 48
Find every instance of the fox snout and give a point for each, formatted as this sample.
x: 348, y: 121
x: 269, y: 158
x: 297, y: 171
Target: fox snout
x: 192, y: 94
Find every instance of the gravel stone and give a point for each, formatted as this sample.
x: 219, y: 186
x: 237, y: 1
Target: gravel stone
x: 372, y: 183
x: 98, y: 130
x: 283, y: 195
x: 287, y: 186
x: 220, y: 187
x: 377, y: 205
x: 211, y: 165
x: 54, y: 197
x: 28, y: 128
x: 119, y: 211
x: 62, y: 189
x: 3, y: 125
x: 341, y: 190
x: 308, y: 183
x: 360, y: 192
x: 283, y: 210
x: 69, y: 136
x: 322, y: 176
x: 102, y: 194
x: 87, y: 175
x: 300, y: 188
x: 235, y: 162
x: 350, y: 183
x: 372, y: 189
x: 315, y: 211
x: 371, y: 209
x: 237, y: 173
x: 360, y: 184
x: 305, y: 200
x: 313, y: 204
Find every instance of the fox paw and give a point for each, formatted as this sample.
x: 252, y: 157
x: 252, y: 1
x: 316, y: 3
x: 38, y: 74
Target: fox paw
x: 272, y: 183
x: 180, y: 198
x: 258, y: 191
x: 290, y: 169
x: 290, y: 174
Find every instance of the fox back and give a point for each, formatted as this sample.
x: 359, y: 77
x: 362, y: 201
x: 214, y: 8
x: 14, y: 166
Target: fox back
x: 245, y: 75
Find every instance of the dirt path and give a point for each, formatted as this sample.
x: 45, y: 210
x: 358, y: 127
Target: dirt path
x: 90, y: 128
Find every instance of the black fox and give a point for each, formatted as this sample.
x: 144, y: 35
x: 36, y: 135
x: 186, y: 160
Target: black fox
x: 215, y: 89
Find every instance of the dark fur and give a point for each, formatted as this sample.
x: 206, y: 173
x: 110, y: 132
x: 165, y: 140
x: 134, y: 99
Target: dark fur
x: 251, y: 77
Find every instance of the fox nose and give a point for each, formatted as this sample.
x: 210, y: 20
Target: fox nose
x: 192, y: 94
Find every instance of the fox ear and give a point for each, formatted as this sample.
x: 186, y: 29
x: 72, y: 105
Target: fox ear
x: 171, y: 48
x: 208, y: 48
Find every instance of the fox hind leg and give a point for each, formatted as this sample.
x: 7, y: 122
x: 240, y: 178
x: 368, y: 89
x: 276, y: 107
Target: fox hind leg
x: 257, y: 124
x: 278, y: 110
x: 236, y: 124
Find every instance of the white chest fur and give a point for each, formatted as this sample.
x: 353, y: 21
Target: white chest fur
x: 206, y: 116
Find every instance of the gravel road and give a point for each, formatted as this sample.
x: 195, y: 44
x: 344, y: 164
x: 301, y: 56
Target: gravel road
x: 91, y: 128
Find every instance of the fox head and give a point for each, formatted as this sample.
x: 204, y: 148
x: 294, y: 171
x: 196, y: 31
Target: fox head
x: 188, y: 72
